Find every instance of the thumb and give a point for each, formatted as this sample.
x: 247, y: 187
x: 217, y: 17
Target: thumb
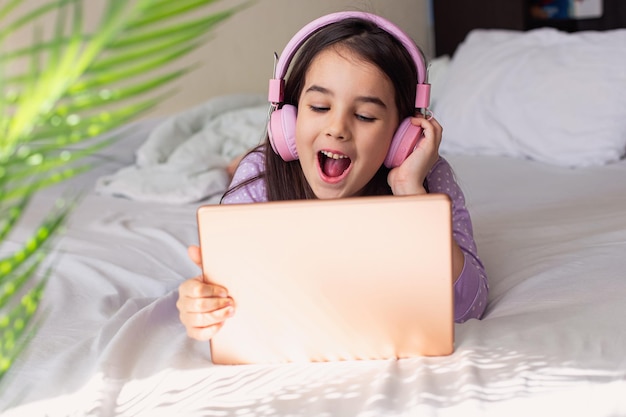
x: 194, y: 254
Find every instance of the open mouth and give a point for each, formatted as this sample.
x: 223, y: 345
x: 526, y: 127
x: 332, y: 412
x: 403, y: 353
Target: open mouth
x: 332, y: 164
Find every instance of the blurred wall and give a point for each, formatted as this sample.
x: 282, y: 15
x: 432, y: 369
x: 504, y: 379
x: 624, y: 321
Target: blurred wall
x: 239, y: 57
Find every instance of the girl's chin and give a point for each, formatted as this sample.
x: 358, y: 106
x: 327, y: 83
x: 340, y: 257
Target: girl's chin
x: 327, y: 193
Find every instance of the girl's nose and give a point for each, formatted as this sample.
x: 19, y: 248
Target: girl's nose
x: 338, y: 128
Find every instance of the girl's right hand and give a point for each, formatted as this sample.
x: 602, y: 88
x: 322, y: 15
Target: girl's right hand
x: 203, y: 307
x: 408, y: 178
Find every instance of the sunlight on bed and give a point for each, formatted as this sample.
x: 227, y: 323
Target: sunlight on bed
x: 371, y: 386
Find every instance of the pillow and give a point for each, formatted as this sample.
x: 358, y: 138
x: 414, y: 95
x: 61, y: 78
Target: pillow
x: 437, y: 69
x: 546, y: 95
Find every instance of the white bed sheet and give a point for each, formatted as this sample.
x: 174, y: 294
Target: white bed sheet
x: 554, y: 338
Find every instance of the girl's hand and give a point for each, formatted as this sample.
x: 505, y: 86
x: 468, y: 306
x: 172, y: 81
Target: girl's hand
x: 408, y: 178
x: 203, y: 307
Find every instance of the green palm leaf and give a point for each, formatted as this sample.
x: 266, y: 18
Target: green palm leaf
x: 63, y: 93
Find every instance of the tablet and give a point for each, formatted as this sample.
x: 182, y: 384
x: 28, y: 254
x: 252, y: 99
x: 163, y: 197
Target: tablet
x: 322, y: 280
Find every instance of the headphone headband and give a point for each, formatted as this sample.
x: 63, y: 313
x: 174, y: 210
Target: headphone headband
x: 275, y: 95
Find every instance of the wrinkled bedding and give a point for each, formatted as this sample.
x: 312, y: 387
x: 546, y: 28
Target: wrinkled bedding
x: 185, y: 157
x: 552, y: 239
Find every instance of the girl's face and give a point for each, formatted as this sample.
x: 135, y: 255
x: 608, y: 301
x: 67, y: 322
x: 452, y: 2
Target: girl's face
x: 346, y: 119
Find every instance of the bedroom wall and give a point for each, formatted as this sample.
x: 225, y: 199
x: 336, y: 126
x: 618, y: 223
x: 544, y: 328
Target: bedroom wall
x: 239, y: 55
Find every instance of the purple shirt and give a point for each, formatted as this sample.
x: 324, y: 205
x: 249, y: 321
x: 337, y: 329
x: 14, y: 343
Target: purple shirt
x: 471, y: 287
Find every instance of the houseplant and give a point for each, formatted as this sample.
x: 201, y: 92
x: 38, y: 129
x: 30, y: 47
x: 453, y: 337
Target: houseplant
x: 58, y: 95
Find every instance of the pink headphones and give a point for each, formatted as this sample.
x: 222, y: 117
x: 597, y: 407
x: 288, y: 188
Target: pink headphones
x: 282, y: 123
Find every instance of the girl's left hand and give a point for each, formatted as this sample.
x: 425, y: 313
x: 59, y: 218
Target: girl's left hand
x: 408, y: 178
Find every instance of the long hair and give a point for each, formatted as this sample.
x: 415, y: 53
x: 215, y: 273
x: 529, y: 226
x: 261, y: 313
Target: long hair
x: 285, y: 180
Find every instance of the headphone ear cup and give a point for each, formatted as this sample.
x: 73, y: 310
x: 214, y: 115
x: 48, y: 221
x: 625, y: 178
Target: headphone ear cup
x: 403, y: 143
x: 281, y: 130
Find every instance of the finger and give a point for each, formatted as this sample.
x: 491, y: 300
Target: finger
x: 435, y: 123
x: 197, y: 288
x: 203, y: 305
x: 204, y: 334
x: 425, y: 123
x: 431, y: 129
x: 437, y: 128
x: 195, y: 255
x: 200, y: 320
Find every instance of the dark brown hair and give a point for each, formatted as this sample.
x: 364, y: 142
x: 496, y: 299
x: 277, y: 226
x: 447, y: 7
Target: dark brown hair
x: 285, y: 180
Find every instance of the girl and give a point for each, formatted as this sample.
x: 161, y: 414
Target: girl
x: 351, y: 85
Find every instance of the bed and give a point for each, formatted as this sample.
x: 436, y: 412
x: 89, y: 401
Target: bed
x: 544, y: 182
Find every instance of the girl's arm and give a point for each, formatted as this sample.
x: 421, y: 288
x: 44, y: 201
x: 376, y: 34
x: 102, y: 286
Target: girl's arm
x: 424, y: 165
x: 470, y: 286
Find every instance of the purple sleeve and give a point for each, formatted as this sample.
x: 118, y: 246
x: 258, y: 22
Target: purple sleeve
x: 471, y: 287
x: 249, y: 167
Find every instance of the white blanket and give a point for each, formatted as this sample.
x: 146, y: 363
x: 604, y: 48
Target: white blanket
x: 185, y: 158
x: 552, y: 341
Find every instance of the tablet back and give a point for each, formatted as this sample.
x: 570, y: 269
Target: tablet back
x: 322, y: 280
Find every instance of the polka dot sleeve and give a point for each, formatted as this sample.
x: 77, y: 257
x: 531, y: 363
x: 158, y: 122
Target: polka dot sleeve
x: 471, y: 287
x: 255, y: 192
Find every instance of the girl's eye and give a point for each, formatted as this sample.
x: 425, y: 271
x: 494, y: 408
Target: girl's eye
x: 365, y: 118
x: 319, y: 109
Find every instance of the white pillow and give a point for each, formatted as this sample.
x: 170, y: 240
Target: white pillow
x: 437, y: 70
x: 546, y: 95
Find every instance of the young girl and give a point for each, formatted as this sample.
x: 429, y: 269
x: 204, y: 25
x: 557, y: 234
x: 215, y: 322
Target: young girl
x: 350, y: 86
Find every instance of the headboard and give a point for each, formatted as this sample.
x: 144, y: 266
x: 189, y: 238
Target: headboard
x: 454, y: 19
